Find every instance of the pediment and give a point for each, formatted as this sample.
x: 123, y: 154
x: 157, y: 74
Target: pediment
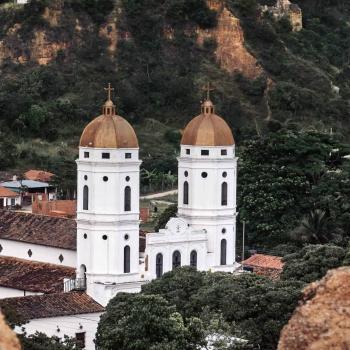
x: 177, y: 226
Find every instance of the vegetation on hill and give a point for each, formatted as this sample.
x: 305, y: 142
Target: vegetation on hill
x: 158, y: 80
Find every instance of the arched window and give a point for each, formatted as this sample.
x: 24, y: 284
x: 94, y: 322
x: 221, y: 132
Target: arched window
x: 159, y: 265
x: 176, y: 259
x: 223, y: 252
x: 86, y: 198
x: 193, y: 259
x: 127, y: 198
x: 224, y: 193
x: 126, y: 259
x: 185, y: 192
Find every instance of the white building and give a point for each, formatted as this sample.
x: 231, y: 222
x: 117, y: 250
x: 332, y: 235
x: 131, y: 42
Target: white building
x: 73, y: 314
x: 8, y: 198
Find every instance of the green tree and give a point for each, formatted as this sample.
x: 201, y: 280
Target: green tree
x: 179, y: 288
x: 312, y: 262
x: 313, y: 228
x: 143, y: 322
x: 163, y: 219
x: 278, y: 184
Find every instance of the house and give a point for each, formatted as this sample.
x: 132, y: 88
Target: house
x: 74, y: 314
x: 37, y: 237
x: 264, y: 265
x: 39, y: 175
x: 8, y: 198
x: 20, y: 277
x: 28, y: 188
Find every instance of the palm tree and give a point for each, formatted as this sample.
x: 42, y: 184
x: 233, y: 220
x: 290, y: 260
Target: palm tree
x: 313, y: 228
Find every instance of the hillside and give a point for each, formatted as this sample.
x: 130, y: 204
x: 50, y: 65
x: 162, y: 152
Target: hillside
x: 56, y: 57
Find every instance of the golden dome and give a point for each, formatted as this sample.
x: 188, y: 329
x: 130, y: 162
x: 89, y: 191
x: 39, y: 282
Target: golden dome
x: 109, y: 130
x: 207, y: 129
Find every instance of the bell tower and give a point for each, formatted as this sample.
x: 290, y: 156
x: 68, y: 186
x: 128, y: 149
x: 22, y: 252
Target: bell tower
x: 108, y: 206
x: 207, y: 177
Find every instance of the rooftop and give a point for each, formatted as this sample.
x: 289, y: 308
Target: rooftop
x: 33, y: 276
x: 5, y: 192
x: 24, y: 183
x: 264, y: 261
x: 38, y: 229
x: 38, y: 175
x: 52, y: 305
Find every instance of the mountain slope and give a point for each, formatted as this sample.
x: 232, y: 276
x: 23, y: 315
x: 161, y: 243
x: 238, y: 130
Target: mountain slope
x: 56, y: 57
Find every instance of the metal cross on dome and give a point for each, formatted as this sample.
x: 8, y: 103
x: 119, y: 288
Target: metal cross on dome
x: 208, y: 87
x: 109, y: 89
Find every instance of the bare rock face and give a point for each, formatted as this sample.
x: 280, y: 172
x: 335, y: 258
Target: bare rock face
x: 322, y: 321
x: 8, y: 338
x: 230, y: 53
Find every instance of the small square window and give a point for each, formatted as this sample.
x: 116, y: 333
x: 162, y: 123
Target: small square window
x: 105, y: 155
x: 224, y: 152
x: 86, y: 154
x: 205, y: 152
x: 127, y: 155
x: 188, y: 151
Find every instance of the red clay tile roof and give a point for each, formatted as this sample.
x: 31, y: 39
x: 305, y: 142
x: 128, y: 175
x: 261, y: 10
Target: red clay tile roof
x: 38, y: 229
x: 52, y: 305
x: 264, y: 261
x: 38, y: 175
x: 5, y: 192
x: 33, y: 276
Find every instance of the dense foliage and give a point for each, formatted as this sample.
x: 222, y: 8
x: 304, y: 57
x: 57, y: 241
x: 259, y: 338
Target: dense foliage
x: 312, y: 262
x: 159, y: 72
x: 207, y: 304
x: 142, y: 322
x: 286, y: 174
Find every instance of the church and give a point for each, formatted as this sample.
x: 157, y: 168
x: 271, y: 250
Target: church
x: 105, y: 259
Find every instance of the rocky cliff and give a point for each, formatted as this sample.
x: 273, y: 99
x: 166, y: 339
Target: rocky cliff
x: 8, y: 338
x: 45, y: 44
x: 322, y: 321
x: 231, y: 53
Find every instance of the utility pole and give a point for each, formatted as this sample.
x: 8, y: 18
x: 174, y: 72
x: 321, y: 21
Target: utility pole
x: 243, y: 243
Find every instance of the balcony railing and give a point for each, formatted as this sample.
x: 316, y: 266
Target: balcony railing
x: 75, y: 284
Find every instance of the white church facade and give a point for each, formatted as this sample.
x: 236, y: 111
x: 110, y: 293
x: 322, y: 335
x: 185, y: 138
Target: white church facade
x: 106, y: 249
x: 203, y: 233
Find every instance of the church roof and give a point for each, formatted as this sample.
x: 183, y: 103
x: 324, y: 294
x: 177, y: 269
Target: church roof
x: 52, y: 305
x: 207, y: 129
x: 38, y: 229
x: 109, y: 130
x: 33, y: 276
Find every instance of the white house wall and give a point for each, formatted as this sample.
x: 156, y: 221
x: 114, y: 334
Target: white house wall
x: 67, y: 325
x: 39, y: 252
x: 13, y: 293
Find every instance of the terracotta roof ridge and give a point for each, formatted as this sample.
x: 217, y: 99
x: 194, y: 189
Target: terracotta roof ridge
x: 35, y: 262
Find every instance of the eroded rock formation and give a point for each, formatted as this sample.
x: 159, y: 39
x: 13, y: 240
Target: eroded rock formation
x: 231, y: 53
x: 322, y: 321
x: 8, y: 338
